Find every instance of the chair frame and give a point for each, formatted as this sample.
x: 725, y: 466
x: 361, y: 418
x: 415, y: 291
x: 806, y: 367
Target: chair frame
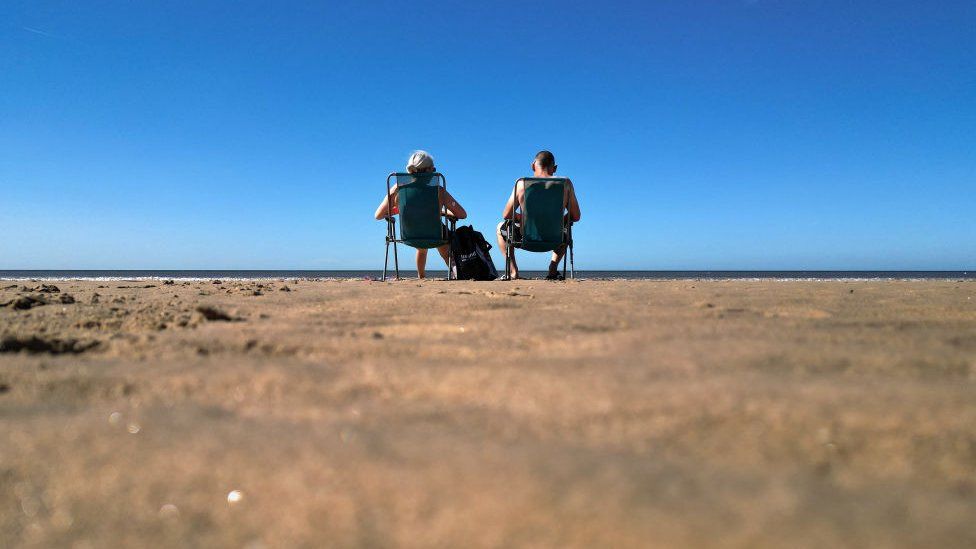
x: 391, y: 227
x: 510, y: 242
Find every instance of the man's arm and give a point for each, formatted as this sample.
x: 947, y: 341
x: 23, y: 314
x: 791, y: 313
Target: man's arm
x: 572, y: 204
x: 510, y: 205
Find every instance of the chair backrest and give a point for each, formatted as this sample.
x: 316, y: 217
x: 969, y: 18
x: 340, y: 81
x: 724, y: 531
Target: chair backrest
x: 418, y: 197
x: 543, y: 201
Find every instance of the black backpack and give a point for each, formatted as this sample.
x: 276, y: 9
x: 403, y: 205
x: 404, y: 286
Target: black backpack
x: 470, y: 254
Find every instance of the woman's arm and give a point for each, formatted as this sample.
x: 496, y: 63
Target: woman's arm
x: 384, y: 209
x: 454, y: 208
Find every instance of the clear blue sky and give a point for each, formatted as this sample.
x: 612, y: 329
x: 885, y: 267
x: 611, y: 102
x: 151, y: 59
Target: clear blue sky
x: 737, y: 134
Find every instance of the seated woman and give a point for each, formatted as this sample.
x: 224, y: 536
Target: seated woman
x: 421, y: 162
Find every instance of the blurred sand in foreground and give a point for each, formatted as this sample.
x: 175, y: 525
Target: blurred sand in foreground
x: 589, y: 413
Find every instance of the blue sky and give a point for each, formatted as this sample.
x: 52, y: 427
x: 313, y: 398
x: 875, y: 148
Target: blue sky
x: 744, y: 134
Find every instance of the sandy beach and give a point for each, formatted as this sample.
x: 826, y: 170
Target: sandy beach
x: 280, y: 413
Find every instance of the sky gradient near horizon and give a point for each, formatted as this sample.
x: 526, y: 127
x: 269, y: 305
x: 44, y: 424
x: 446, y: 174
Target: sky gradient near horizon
x: 762, y: 134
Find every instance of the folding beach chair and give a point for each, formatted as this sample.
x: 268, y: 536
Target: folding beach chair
x: 420, y: 211
x: 545, y: 227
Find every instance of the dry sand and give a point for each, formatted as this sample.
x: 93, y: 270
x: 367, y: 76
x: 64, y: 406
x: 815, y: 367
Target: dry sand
x: 357, y: 413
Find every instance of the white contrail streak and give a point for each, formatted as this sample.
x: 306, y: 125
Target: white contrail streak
x: 38, y: 31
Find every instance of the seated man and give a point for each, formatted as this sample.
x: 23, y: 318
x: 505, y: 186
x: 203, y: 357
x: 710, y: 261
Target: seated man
x: 544, y: 165
x: 421, y: 162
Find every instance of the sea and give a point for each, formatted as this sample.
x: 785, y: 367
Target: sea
x: 50, y: 275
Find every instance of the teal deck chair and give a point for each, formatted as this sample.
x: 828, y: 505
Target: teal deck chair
x: 420, y: 211
x: 545, y: 227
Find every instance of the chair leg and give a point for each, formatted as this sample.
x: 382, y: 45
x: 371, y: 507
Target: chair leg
x: 386, y: 259
x: 572, y: 267
x: 565, y: 256
x: 396, y: 261
x: 450, y: 258
x: 508, y: 258
x: 450, y: 250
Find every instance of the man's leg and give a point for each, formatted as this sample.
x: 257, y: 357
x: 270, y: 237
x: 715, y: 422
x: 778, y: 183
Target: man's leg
x: 557, y: 256
x: 503, y: 246
x: 421, y: 262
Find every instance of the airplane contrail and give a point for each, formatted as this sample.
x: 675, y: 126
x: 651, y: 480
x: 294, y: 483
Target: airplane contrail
x: 38, y: 31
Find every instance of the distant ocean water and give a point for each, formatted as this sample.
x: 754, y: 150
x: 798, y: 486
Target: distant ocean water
x: 586, y: 275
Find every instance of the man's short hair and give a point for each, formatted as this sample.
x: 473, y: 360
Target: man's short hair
x: 545, y: 160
